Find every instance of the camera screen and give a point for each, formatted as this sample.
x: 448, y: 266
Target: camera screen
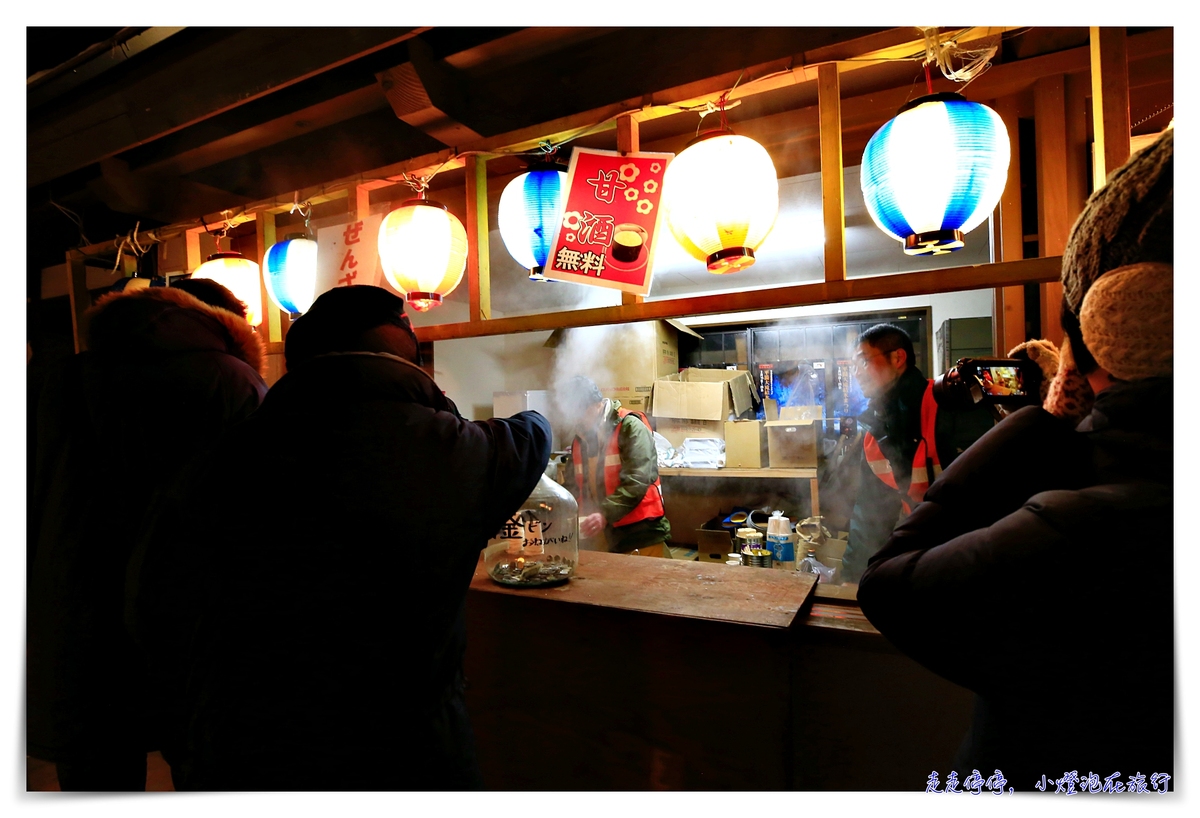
x: 1001, y: 381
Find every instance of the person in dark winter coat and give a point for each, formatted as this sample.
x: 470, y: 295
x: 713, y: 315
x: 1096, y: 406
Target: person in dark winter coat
x: 159, y: 359
x: 318, y: 606
x: 1014, y: 577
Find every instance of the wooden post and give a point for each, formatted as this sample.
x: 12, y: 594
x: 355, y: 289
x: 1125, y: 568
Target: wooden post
x: 1008, y: 325
x: 264, y: 234
x: 479, y: 270
x: 1054, y: 220
x: 81, y: 299
x: 1110, y: 102
x: 832, y: 188
x: 1078, y: 149
x: 628, y: 141
x: 193, y: 249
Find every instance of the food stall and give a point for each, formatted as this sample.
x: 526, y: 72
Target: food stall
x: 693, y: 673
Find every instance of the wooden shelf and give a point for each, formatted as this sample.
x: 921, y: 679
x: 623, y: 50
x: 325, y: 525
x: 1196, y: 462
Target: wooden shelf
x: 777, y: 473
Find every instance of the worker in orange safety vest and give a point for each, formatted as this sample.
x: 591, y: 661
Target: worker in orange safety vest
x: 613, y: 470
x: 906, y: 441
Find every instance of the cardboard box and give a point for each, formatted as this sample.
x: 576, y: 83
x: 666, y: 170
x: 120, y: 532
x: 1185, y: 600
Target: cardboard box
x: 792, y: 444
x: 713, y: 546
x: 619, y: 356
x: 677, y: 430
x: 745, y: 444
x: 507, y: 404
x: 633, y: 398
x: 711, y: 396
x: 801, y: 413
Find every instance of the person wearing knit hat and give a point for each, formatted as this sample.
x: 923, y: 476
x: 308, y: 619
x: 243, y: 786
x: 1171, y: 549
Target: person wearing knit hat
x: 358, y: 317
x: 324, y: 602
x: 1007, y: 580
x: 1131, y: 220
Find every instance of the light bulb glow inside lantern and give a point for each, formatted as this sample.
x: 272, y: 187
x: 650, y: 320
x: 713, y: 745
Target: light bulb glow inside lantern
x: 531, y: 207
x: 423, y: 252
x: 291, y: 273
x: 720, y: 199
x: 239, y: 275
x: 935, y: 171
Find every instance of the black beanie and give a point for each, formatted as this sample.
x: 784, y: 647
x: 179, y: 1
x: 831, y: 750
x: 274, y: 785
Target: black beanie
x: 337, y: 320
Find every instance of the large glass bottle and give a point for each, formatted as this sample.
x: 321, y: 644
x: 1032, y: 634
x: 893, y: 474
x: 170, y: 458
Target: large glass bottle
x: 539, y: 545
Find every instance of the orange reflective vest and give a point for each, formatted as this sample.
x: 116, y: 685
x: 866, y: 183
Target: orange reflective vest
x: 925, y: 459
x: 651, y: 505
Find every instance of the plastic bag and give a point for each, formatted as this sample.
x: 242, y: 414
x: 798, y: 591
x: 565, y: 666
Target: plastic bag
x: 811, y: 565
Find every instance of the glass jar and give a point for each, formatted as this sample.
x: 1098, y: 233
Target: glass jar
x: 539, y: 545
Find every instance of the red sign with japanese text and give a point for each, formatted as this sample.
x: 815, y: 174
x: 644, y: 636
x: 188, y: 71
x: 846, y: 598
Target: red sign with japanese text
x: 610, y: 221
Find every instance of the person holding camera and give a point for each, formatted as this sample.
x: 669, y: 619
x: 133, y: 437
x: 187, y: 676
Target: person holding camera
x: 1013, y: 577
x: 906, y: 441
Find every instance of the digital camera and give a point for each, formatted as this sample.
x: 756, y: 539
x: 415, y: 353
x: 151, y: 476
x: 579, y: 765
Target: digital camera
x: 1004, y: 384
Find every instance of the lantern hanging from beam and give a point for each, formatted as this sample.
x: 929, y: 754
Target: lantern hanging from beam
x: 240, y: 276
x: 720, y: 199
x: 423, y: 251
x: 291, y: 273
x: 935, y: 171
x: 531, y: 207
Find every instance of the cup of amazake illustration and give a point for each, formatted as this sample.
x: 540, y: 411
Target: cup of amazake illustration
x: 628, y: 241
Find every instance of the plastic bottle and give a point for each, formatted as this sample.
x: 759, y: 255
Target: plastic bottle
x: 780, y: 540
x: 811, y: 565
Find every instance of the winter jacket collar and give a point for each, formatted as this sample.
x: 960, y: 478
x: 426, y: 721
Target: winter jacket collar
x: 1132, y: 431
x: 166, y: 320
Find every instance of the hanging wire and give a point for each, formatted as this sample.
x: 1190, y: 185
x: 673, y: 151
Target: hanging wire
x: 84, y: 241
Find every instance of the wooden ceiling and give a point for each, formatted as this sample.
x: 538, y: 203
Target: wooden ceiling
x: 161, y: 126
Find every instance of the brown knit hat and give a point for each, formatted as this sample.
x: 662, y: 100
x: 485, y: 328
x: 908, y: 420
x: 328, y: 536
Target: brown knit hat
x: 1127, y: 322
x: 1129, y: 220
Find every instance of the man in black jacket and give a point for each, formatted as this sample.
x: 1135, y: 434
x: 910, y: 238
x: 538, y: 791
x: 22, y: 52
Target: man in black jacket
x: 317, y: 604
x: 1018, y: 577
x: 906, y: 441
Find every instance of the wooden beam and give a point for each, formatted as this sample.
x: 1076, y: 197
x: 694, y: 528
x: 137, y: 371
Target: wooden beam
x: 1008, y: 324
x: 1054, y: 218
x: 953, y: 279
x: 833, y: 199
x: 81, y: 299
x: 479, y: 271
x: 1110, y: 101
x: 149, y: 106
x: 629, y: 141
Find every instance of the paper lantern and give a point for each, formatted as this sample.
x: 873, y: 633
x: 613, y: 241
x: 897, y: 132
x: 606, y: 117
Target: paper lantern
x: 531, y: 207
x: 935, y: 171
x: 423, y: 251
x: 720, y: 199
x: 239, y: 275
x: 291, y: 273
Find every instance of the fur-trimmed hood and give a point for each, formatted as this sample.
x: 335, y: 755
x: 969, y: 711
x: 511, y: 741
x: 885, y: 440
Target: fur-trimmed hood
x: 169, y: 319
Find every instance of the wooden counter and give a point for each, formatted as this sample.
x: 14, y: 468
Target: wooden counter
x: 645, y: 674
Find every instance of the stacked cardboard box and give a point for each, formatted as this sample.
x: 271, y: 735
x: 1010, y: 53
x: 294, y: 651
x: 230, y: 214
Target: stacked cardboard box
x: 697, y: 402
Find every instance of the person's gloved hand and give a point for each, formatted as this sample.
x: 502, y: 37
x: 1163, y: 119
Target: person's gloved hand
x: 1070, y: 396
x: 591, y: 525
x: 1045, y: 355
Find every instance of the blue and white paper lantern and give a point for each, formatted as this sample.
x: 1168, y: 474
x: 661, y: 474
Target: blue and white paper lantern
x: 935, y: 171
x: 291, y: 274
x: 531, y: 207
